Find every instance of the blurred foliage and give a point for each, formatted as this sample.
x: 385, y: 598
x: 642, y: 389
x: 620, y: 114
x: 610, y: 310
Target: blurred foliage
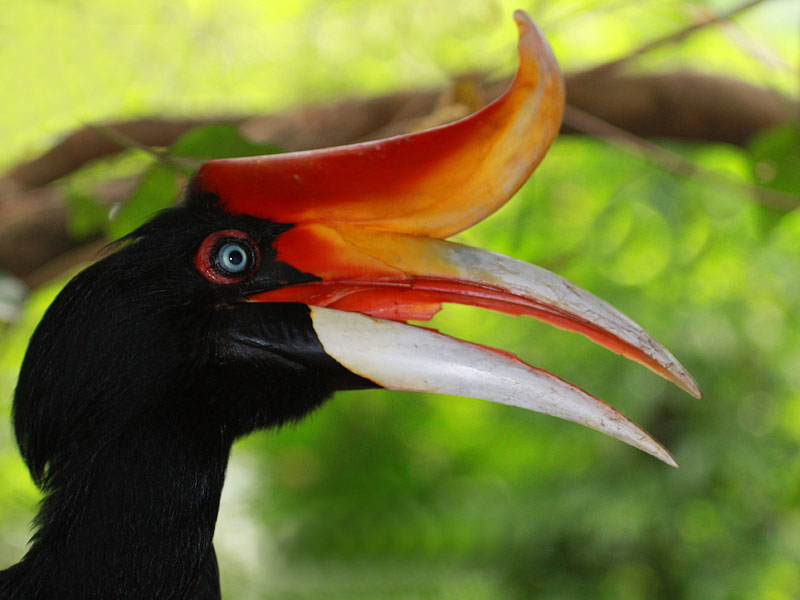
x: 390, y: 495
x: 73, y: 61
x: 775, y: 156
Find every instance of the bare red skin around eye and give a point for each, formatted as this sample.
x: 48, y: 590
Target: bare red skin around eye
x: 204, y: 260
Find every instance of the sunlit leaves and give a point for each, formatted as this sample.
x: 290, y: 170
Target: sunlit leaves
x: 159, y: 179
x: 86, y: 215
x: 221, y: 140
x: 156, y: 191
x: 775, y: 158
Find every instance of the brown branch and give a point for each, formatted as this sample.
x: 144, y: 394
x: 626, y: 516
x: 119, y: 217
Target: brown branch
x: 681, y: 105
x: 87, y: 144
x: 33, y: 218
x: 34, y: 227
x: 295, y: 129
x: 76, y: 256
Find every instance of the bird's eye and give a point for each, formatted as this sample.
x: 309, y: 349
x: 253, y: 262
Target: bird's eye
x: 233, y: 258
x: 227, y: 256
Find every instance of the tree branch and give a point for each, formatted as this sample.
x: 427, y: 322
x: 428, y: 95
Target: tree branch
x: 33, y: 214
x: 677, y: 105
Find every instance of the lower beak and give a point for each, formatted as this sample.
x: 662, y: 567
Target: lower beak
x: 402, y: 357
x: 389, y: 278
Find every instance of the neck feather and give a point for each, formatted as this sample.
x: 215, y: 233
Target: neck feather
x: 135, y: 521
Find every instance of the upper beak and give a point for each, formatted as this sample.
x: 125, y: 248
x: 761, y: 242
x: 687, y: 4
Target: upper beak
x: 368, y: 222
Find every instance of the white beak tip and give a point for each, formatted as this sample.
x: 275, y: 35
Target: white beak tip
x: 661, y: 454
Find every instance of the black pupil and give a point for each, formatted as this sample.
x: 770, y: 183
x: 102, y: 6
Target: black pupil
x: 236, y: 257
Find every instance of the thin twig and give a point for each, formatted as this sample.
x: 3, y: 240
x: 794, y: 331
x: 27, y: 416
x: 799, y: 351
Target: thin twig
x: 672, y: 162
x: 755, y: 49
x: 183, y: 165
x: 574, y: 15
x: 608, y: 68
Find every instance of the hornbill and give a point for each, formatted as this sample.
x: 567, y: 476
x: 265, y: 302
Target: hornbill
x: 277, y: 281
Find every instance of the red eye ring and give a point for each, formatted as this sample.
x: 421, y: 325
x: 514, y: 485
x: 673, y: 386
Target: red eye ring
x: 206, y: 261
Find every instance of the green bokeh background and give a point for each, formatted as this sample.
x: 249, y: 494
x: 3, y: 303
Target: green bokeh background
x: 388, y: 495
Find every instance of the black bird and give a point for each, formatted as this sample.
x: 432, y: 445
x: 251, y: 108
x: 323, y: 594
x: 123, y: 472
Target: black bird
x: 276, y: 282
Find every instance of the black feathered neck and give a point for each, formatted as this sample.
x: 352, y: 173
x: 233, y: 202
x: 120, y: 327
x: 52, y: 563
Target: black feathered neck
x: 127, y: 404
x: 136, y: 522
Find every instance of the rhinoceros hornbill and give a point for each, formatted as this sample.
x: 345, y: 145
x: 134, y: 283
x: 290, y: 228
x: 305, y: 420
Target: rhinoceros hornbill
x: 278, y: 280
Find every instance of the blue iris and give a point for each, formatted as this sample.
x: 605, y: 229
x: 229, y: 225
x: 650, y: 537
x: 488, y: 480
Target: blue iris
x: 233, y: 257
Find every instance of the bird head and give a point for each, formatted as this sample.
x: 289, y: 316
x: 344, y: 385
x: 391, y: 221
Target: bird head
x: 283, y: 278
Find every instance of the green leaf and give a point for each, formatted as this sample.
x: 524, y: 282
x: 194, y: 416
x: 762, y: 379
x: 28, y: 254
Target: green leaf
x: 86, y: 215
x: 221, y: 140
x: 775, y: 158
x: 156, y: 191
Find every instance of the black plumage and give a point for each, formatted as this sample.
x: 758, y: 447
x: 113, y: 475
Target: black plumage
x: 136, y: 382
